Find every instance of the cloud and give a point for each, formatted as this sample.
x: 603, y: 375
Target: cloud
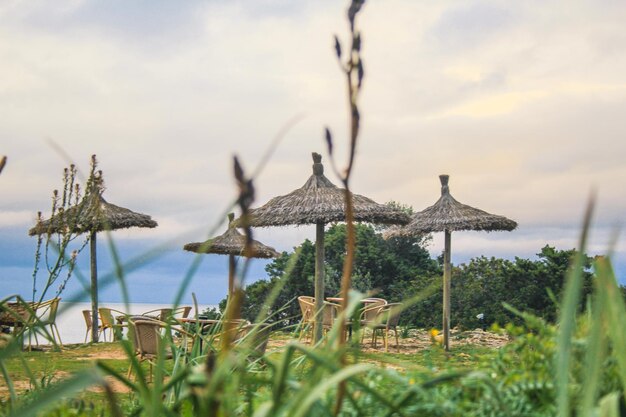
x: 522, y: 104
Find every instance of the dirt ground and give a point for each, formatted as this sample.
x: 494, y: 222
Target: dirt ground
x: 420, y: 339
x: 416, y: 341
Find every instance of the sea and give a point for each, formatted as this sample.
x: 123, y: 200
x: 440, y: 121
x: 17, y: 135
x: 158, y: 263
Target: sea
x: 71, y: 322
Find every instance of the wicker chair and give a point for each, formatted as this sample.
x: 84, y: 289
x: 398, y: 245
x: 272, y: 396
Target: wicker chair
x: 330, y: 312
x: 46, y: 314
x: 89, y: 323
x: 165, y: 314
x: 147, y: 337
x: 370, y: 313
x: 387, y: 319
x: 254, y: 337
x: 307, y: 307
x: 108, y: 322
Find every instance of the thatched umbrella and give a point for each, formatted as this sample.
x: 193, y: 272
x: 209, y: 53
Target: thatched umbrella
x: 320, y: 202
x: 448, y: 215
x: 232, y: 243
x: 92, y: 215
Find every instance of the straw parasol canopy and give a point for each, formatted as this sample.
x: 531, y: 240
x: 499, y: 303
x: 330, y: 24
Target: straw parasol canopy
x: 320, y: 202
x: 232, y: 243
x: 448, y: 215
x: 92, y: 215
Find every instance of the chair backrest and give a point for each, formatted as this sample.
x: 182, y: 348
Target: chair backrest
x: 370, y: 312
x: 146, y: 336
x: 106, y: 317
x: 375, y: 301
x: 132, y: 335
x: 307, y: 306
x: 54, y: 308
x: 329, y: 312
x: 182, y: 312
x: 87, y: 317
x: 47, y: 310
x: 256, y: 336
x: 391, y: 314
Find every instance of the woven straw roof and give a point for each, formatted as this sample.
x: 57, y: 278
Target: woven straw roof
x: 232, y: 243
x: 448, y: 213
x: 93, y: 214
x: 320, y: 201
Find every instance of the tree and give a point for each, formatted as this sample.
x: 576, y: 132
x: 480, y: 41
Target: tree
x: 485, y: 284
x: 387, y: 268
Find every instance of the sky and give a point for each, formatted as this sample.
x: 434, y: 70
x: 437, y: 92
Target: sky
x: 521, y: 103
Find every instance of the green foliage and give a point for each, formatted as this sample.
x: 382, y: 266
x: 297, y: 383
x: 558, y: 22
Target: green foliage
x: 532, y: 286
x: 400, y: 268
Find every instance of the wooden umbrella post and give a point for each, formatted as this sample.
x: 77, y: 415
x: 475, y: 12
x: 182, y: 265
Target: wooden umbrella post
x: 94, y: 288
x: 447, y: 269
x: 319, y: 280
x: 231, y: 275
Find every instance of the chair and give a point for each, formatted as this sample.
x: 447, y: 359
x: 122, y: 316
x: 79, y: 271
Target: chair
x: 254, y: 337
x: 387, y: 318
x: 330, y: 311
x: 370, y: 301
x: 147, y: 338
x: 108, y: 322
x: 89, y: 323
x: 46, y: 313
x: 165, y: 314
x: 307, y: 307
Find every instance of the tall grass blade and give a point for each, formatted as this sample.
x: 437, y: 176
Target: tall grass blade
x: 610, y: 405
x: 616, y: 312
x: 596, y: 350
x: 320, y: 389
x: 567, y: 319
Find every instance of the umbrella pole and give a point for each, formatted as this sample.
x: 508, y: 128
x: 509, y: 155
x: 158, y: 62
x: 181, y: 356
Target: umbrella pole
x: 94, y: 288
x: 447, y: 269
x: 231, y: 275
x: 319, y: 280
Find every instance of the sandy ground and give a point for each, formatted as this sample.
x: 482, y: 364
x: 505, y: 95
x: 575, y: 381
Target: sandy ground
x: 416, y: 341
x: 421, y: 339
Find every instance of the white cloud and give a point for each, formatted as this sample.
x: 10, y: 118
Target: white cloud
x: 522, y: 104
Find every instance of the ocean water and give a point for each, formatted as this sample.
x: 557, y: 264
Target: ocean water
x: 71, y: 322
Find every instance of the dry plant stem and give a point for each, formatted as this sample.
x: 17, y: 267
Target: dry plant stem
x: 233, y: 310
x: 3, y: 162
x: 346, y: 279
x: 348, y: 265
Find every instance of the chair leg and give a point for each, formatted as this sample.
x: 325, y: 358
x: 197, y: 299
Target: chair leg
x: 397, y: 341
x: 53, y: 328
x: 386, y: 339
